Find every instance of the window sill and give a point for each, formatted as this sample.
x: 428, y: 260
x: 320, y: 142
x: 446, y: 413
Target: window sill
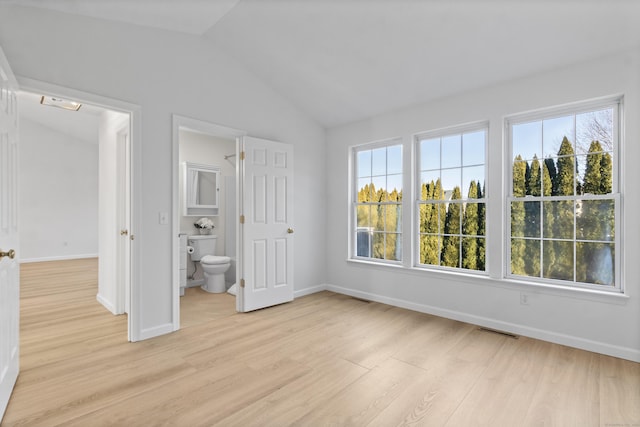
x: 607, y: 297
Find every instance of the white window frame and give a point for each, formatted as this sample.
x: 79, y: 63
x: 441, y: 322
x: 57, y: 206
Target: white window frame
x: 353, y: 202
x: 616, y: 103
x: 417, y: 185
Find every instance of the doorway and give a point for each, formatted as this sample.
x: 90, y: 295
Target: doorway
x: 214, y: 146
x: 115, y: 132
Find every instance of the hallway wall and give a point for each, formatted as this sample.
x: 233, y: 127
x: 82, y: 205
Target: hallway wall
x: 58, y: 188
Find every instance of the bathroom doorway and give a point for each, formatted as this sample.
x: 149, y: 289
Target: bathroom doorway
x: 93, y: 152
x: 215, y: 148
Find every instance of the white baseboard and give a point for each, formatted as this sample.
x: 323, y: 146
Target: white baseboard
x: 57, y: 258
x: 308, y: 291
x: 550, y: 336
x: 106, y: 303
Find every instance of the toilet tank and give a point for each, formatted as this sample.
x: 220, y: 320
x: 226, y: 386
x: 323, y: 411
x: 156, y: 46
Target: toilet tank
x: 202, y: 245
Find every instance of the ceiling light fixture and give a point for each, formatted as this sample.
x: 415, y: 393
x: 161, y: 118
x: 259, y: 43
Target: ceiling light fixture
x: 60, y: 103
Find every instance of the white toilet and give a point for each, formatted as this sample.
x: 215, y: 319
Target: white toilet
x: 214, y: 267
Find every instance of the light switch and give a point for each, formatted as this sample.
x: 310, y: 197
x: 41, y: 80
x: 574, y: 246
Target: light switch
x: 163, y: 218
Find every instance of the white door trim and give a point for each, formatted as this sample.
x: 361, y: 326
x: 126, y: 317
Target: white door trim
x: 209, y: 129
x: 135, y: 113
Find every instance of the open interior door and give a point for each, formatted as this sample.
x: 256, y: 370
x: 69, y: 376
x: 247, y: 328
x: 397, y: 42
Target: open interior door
x: 9, y: 264
x: 266, y: 230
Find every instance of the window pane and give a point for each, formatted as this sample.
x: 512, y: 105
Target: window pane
x: 394, y: 159
x: 470, y: 253
x: 378, y: 246
x: 430, y: 249
x: 450, y: 256
x: 471, y: 220
x: 379, y: 161
x: 473, y: 148
x: 517, y: 219
x: 554, y: 131
x: 379, y: 184
x: 527, y: 140
x: 429, y: 181
x: 594, y: 126
x: 531, y: 219
x: 451, y: 179
x: 364, y: 190
x: 532, y: 256
x: 393, y: 247
x: 473, y: 175
x: 394, y: 182
x: 596, y: 220
x: 364, y: 216
x: 559, y: 219
x: 595, y: 172
x: 557, y: 260
x: 363, y: 242
x: 518, y: 256
x: 430, y: 218
x: 430, y: 154
x: 595, y: 263
x: 393, y: 218
x: 363, y: 163
x: 451, y: 151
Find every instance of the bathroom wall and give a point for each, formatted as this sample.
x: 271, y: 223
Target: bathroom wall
x: 209, y: 150
x: 58, y: 190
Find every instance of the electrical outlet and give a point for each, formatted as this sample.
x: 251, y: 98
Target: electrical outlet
x: 524, y: 299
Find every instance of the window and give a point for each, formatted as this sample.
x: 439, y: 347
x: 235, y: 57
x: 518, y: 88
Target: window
x: 377, y: 201
x: 450, y: 198
x: 563, y: 203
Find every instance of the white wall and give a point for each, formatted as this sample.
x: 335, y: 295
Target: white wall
x: 58, y: 190
x: 604, y: 324
x: 209, y: 150
x: 167, y: 73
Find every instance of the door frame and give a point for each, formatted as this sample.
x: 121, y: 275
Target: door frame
x: 135, y: 162
x: 209, y: 129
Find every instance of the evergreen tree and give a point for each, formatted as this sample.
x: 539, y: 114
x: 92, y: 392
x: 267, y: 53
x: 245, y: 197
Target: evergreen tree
x: 518, y: 217
x: 451, y: 241
x: 553, y: 175
x: 470, y: 230
x: 563, y: 265
x: 606, y: 174
x: 429, y: 251
x: 593, y: 172
x: 481, y: 229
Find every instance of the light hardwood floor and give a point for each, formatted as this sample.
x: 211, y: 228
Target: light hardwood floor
x: 325, y: 359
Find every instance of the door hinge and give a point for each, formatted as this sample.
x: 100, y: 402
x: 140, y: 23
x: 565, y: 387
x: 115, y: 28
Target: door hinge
x: 242, y: 283
x: 241, y: 219
x: 242, y: 155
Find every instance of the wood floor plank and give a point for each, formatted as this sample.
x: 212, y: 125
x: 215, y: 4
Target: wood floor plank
x: 324, y: 359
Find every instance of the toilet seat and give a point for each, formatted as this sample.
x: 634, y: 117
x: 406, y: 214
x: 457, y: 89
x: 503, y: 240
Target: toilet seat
x: 215, y: 260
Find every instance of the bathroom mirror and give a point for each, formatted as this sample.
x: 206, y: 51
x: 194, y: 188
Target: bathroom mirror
x: 201, y: 189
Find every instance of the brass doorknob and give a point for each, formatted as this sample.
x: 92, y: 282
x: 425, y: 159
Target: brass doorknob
x: 290, y: 230
x: 124, y: 232
x: 11, y: 254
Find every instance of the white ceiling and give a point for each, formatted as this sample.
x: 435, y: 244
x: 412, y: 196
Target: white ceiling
x: 345, y: 60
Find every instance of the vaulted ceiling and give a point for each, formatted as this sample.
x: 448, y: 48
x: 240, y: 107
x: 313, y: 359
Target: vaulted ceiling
x: 341, y: 61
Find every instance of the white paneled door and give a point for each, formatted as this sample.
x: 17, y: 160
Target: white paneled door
x: 9, y: 265
x: 267, y: 232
